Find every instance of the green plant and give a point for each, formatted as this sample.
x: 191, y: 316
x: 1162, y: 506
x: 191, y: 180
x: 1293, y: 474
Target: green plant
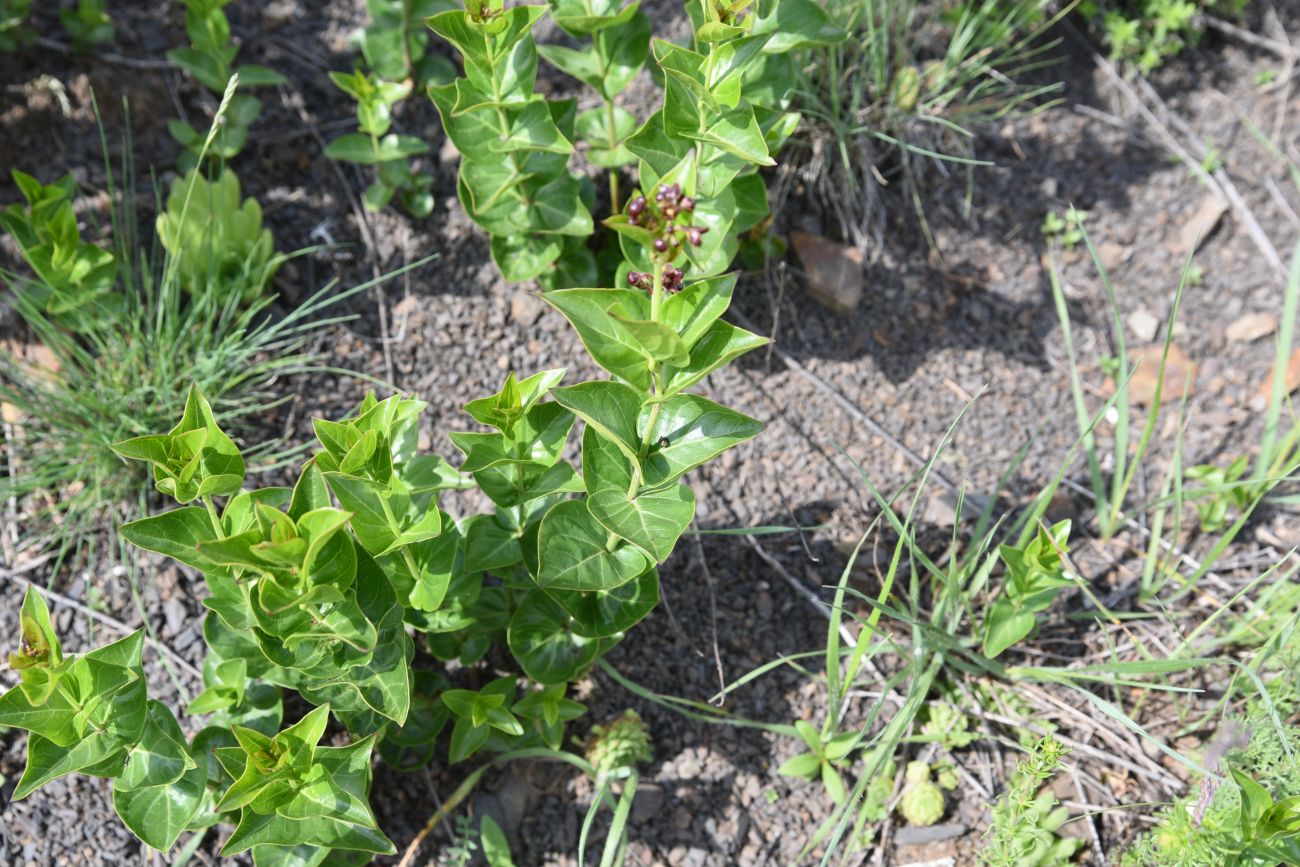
x: 209, y: 59
x: 75, y: 280
x: 895, y: 88
x: 1246, y: 808
x: 1222, y: 490
x: 922, y: 801
x: 704, y: 144
x: 87, y: 23
x: 825, y: 755
x: 216, y: 241
x: 374, y: 145
x: 395, y: 43
x: 394, y: 46
x: 314, y: 588
x: 1067, y: 228
x: 1025, y: 820
x: 1146, y: 33
x: 87, y: 305
x: 14, y: 33
x: 1035, y: 574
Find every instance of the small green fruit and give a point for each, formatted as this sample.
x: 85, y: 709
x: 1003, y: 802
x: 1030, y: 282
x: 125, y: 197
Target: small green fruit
x: 623, y: 743
x: 922, y: 804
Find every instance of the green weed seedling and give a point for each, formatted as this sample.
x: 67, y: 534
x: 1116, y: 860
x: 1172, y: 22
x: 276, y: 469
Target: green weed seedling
x: 374, y: 145
x: 1025, y: 819
x: 394, y: 46
x: 824, y: 758
x: 75, y: 280
x: 210, y: 60
x: 1066, y: 228
x: 216, y: 239
x: 1035, y: 574
x: 1146, y: 33
x: 87, y: 23
x: 14, y: 32
x: 1223, y: 490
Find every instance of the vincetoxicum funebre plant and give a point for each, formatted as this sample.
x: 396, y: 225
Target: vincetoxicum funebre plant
x: 353, y: 586
x: 721, y: 118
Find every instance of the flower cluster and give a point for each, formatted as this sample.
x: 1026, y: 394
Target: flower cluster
x: 646, y: 281
x: 662, y: 219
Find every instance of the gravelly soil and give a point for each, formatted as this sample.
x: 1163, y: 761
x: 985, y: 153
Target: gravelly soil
x: 930, y: 335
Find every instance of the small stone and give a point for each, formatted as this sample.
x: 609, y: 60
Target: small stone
x: 1112, y: 255
x: 832, y: 272
x: 1049, y: 187
x: 525, y: 308
x: 278, y: 13
x: 1291, y: 380
x: 1143, y: 325
x: 1252, y: 327
x: 649, y: 802
x: 1201, y: 224
x: 175, y: 614
x: 1180, y: 372
x: 940, y: 509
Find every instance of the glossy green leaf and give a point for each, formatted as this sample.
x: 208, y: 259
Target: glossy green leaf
x: 689, y: 430
x: 543, y: 643
x: 652, y: 521
x: 574, y: 554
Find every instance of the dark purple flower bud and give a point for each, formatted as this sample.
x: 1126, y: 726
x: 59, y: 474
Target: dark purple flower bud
x: 660, y: 245
x: 695, y: 236
x: 687, y: 203
x: 636, y: 206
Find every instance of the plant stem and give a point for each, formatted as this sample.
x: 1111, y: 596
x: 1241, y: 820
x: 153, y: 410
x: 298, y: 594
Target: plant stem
x: 615, y: 206
x: 212, y: 513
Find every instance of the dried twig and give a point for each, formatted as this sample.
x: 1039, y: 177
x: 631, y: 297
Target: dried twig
x: 106, y: 56
x: 1281, y: 49
x: 111, y: 622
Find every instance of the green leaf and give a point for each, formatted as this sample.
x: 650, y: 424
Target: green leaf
x: 720, y: 345
x: 543, y: 643
x: 736, y: 132
x: 798, y: 24
x: 490, y: 547
x: 805, y: 765
x: 573, y: 552
x: 658, y: 341
x: 496, y: 848
x: 158, y: 815
x: 604, y: 337
x: 160, y: 757
x: 159, y: 791
x: 373, y: 524
x: 523, y: 257
x: 610, y: 613
x: 688, y: 431
x: 653, y: 521
x: 610, y: 407
x: 1005, y: 626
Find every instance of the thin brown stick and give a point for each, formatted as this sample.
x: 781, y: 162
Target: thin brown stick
x: 713, y: 616
x: 111, y: 622
x: 106, y: 56
x: 1281, y: 49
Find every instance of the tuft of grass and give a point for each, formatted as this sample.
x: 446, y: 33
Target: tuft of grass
x: 902, y: 95
x: 129, y: 375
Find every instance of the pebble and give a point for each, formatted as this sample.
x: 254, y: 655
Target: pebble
x: 832, y: 272
x: 1143, y: 325
x: 1251, y: 327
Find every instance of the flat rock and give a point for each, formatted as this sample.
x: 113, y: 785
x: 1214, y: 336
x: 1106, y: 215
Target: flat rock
x: 1291, y: 379
x: 1202, y: 222
x: 832, y: 272
x: 1179, y: 371
x: 1252, y: 327
x: 1143, y: 325
x: 525, y: 308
